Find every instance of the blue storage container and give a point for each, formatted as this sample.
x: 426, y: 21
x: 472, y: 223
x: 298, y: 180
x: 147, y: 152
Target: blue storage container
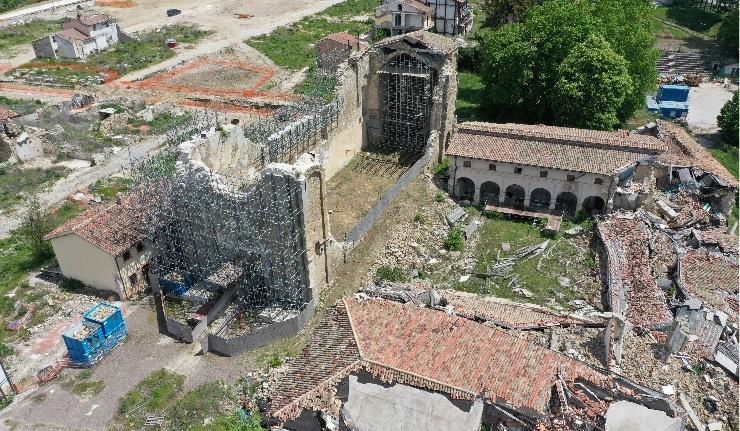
x: 673, y: 93
x: 107, y: 315
x: 177, y: 288
x: 674, y: 109
x: 84, y: 338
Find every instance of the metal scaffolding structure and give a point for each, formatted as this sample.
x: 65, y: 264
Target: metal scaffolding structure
x: 406, y: 93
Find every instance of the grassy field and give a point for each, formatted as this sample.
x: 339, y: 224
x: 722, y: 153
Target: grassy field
x: 210, y: 406
x: 19, y: 36
x: 14, y: 181
x: 291, y: 46
x: 640, y: 118
x: 469, y: 97
x: 695, y: 19
x: 20, y: 106
x: 728, y: 157
x: 7, y: 5
x: 569, y: 257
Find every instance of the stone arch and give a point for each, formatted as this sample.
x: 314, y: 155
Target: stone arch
x: 514, y: 196
x: 594, y: 205
x: 489, y: 193
x: 540, y: 199
x: 567, y: 202
x: 465, y: 188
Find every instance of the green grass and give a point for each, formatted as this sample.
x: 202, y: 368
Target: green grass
x: 155, y: 393
x: 469, y: 97
x: 16, y: 262
x: 696, y: 19
x: 17, y: 37
x: 292, y: 47
x: 565, y: 259
x: 88, y: 389
x: 20, y: 106
x: 162, y: 122
x: 206, y: 401
x: 640, y: 118
x: 728, y: 157
x: 14, y: 181
x: 148, y: 50
x: 107, y: 188
x: 392, y: 274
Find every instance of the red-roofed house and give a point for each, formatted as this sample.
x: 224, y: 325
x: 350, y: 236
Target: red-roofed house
x: 105, y: 247
x: 379, y: 365
x: 335, y: 48
x: 540, y: 167
x: 79, y: 37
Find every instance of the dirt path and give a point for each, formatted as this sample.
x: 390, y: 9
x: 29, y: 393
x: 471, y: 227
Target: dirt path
x: 81, y: 179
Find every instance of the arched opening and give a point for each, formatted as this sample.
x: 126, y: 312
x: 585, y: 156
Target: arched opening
x: 540, y: 199
x: 593, y: 205
x: 465, y: 189
x: 567, y: 203
x: 489, y: 193
x: 514, y: 196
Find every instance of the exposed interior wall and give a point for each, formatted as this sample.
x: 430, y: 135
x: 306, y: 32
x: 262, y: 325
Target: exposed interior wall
x: 82, y: 261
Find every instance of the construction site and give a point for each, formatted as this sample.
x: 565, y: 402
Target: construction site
x: 338, y: 251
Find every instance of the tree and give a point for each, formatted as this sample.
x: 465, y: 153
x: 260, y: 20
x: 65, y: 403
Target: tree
x: 728, y: 33
x: 593, y: 84
x: 36, y: 224
x: 522, y: 61
x: 727, y: 120
x: 500, y: 12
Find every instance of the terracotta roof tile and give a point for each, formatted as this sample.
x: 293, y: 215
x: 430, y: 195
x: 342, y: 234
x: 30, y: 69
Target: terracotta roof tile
x: 710, y: 278
x: 72, y: 34
x: 112, y: 227
x: 95, y: 18
x: 570, y: 149
x: 342, y: 37
x: 424, y: 348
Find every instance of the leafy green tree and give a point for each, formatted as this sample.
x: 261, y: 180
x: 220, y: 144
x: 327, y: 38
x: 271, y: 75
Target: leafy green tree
x: 500, y: 12
x: 728, y: 33
x: 36, y: 224
x: 727, y: 120
x: 593, y: 84
x: 522, y: 61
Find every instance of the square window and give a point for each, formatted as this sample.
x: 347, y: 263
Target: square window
x: 466, y: 164
x: 598, y: 181
x: 140, y: 247
x: 126, y: 255
x: 543, y: 174
x: 491, y: 167
x: 571, y: 177
x: 517, y: 170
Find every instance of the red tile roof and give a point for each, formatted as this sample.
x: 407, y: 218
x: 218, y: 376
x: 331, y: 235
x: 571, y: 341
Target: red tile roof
x: 629, y: 267
x: 508, y: 315
x: 565, y: 148
x: 72, y: 34
x: 425, y: 348
x: 112, y: 227
x: 7, y: 114
x: 710, y: 278
x: 683, y: 150
x: 95, y: 18
x: 343, y: 37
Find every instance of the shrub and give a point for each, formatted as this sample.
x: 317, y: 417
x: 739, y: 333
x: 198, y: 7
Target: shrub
x: 36, y: 224
x: 439, y: 197
x: 391, y: 274
x: 6, y: 350
x: 442, y: 167
x: 419, y: 218
x: 455, y: 240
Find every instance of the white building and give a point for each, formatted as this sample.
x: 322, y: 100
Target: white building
x: 403, y: 16
x: 451, y: 17
x: 79, y: 38
x: 105, y: 247
x: 542, y: 168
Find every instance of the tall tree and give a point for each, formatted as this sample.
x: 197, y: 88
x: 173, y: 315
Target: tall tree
x: 728, y: 33
x: 727, y: 120
x: 593, y: 84
x: 36, y: 224
x: 500, y: 12
x: 522, y: 61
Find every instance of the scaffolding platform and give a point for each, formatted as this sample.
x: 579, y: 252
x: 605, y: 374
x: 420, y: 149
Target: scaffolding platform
x: 554, y: 218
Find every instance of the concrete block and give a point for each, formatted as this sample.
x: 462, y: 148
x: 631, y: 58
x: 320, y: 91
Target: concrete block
x: 471, y: 228
x: 666, y: 210
x: 629, y: 416
x: 455, y: 215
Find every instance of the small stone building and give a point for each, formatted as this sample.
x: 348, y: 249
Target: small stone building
x: 542, y: 168
x: 335, y: 48
x: 79, y: 38
x: 105, y: 247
